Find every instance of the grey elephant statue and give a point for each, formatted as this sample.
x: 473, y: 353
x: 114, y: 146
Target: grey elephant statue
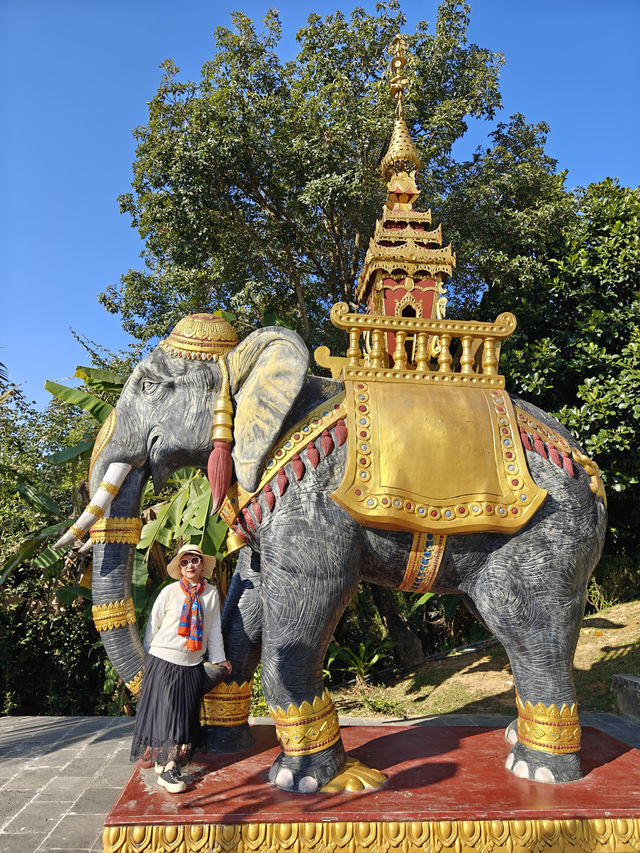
x: 294, y: 439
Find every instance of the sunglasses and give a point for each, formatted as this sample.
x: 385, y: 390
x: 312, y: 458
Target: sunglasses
x: 195, y: 561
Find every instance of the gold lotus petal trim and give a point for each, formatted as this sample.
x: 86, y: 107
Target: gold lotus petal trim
x: 110, y: 530
x: 109, y: 487
x: 96, y: 510
x: 568, y: 835
x: 114, y: 614
x: 547, y: 728
x: 401, y: 154
x: 200, y: 336
x: 227, y: 704
x: 135, y: 685
x: 307, y: 729
x: 102, y: 439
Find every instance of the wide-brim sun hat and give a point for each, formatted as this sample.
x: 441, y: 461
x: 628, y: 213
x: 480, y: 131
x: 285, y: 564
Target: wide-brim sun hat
x: 209, y: 563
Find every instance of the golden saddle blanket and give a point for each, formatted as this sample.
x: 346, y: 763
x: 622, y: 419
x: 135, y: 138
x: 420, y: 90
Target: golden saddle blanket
x: 435, y: 459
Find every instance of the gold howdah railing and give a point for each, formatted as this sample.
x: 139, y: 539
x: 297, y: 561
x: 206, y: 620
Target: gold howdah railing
x: 385, y: 355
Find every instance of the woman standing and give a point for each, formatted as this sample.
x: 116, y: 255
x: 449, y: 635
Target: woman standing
x: 182, y: 633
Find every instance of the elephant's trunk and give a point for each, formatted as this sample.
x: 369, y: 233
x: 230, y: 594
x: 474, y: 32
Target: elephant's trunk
x: 99, y: 504
x: 113, y: 558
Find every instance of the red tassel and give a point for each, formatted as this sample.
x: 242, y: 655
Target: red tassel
x: 312, y: 454
x: 298, y: 466
x: 219, y: 471
x: 248, y: 520
x: 283, y: 481
x: 269, y: 497
x: 567, y: 464
x: 526, y: 443
x: 538, y: 445
x: 240, y: 532
x: 257, y: 510
x: 340, y: 432
x: 326, y: 442
x: 554, y: 456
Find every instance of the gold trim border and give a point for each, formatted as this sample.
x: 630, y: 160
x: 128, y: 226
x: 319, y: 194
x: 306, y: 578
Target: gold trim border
x: 114, y: 614
x: 227, y: 704
x: 102, y: 439
x: 547, y: 728
x: 312, y: 727
x: 135, y: 685
x: 125, y: 530
x: 598, y: 835
x: 427, y: 550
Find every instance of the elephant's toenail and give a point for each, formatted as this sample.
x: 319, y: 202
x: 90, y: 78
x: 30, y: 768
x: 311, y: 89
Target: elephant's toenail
x: 543, y: 774
x: 307, y: 785
x: 509, y: 762
x: 284, y: 779
x: 521, y: 770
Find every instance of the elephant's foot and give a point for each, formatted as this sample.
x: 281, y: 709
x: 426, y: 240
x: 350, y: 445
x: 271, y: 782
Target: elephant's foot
x: 229, y: 738
x: 306, y: 774
x: 527, y: 763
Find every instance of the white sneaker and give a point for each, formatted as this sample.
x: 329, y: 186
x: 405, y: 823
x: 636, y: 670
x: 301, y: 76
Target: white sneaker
x: 170, y: 779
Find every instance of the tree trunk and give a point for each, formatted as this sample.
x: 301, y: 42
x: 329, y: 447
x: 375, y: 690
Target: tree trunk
x: 408, y: 645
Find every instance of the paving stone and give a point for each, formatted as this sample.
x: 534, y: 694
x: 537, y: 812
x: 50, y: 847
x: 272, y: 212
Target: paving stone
x: 26, y: 843
x: 75, y: 832
x: 84, y: 765
x: 28, y: 780
x: 36, y: 817
x: 96, y: 801
x: 11, y: 802
x: 65, y: 789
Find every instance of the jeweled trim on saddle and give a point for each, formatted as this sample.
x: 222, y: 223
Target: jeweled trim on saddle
x: 304, y: 433
x: 551, y: 445
x: 427, y: 550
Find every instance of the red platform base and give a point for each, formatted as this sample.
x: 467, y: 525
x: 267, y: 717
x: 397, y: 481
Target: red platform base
x: 447, y: 791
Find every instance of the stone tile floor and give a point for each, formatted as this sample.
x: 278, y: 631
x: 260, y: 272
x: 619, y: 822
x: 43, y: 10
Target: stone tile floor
x: 59, y: 776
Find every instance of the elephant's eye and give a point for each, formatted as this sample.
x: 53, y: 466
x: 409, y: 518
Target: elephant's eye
x: 148, y: 386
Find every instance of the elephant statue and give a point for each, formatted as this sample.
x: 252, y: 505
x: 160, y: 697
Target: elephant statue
x: 304, y: 554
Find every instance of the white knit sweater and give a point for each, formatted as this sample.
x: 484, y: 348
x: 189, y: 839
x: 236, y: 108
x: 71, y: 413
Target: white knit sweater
x: 161, y: 637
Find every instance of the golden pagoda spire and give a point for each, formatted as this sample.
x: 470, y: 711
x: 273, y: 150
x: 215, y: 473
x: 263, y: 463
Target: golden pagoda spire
x: 401, y: 161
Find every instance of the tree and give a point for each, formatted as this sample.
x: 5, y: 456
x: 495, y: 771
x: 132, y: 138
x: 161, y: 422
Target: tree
x: 257, y: 187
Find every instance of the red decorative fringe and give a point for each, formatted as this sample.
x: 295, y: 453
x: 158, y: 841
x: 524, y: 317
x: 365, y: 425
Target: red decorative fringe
x: 283, y: 481
x: 248, y: 520
x: 567, y: 464
x: 241, y: 533
x: 340, y: 432
x: 298, y: 466
x: 312, y: 454
x: 538, y: 445
x: 219, y: 471
x: 269, y: 497
x: 257, y: 510
x: 326, y: 442
x: 554, y: 456
x: 526, y: 443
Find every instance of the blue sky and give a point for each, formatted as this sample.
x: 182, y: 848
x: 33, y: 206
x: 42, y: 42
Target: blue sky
x: 78, y: 75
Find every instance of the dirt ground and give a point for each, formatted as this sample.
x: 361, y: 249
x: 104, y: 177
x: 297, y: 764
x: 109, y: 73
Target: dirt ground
x: 481, y: 682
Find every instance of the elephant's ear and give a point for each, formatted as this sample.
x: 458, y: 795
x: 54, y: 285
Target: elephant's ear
x: 266, y: 373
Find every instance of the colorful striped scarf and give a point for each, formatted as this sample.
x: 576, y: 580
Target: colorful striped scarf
x: 191, y: 617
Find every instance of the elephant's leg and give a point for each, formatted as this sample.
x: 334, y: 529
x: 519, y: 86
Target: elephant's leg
x: 227, y: 706
x: 308, y: 579
x: 538, y: 626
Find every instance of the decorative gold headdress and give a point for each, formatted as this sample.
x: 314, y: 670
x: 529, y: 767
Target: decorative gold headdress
x: 200, y: 336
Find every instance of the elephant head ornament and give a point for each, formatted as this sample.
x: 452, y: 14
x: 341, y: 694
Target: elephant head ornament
x: 199, y: 393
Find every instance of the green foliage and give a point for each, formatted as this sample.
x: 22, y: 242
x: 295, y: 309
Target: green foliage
x: 360, y: 660
x: 257, y: 187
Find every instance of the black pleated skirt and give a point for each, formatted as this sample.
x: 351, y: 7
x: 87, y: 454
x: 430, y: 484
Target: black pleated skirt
x: 168, y: 712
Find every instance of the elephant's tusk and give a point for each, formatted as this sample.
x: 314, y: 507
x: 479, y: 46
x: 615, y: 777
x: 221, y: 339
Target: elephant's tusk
x: 106, y: 492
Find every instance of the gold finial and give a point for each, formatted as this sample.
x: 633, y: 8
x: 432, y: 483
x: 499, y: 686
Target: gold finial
x: 398, y: 80
x: 401, y: 161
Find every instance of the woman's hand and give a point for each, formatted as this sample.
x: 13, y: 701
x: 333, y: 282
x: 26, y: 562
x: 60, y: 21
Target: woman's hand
x: 226, y: 664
